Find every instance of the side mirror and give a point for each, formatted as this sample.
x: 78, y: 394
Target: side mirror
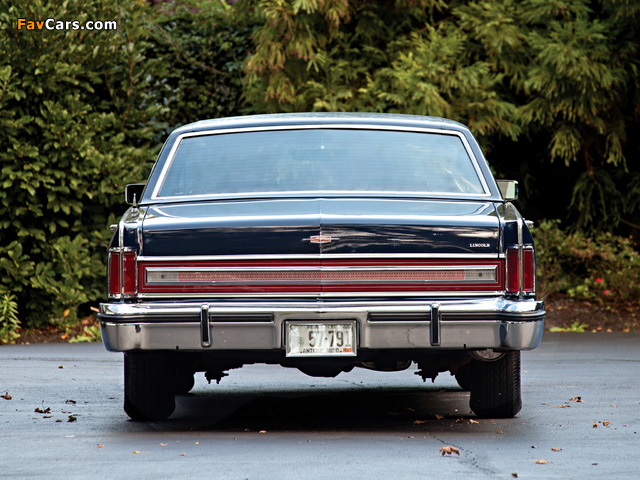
x: 133, y: 193
x: 508, y: 189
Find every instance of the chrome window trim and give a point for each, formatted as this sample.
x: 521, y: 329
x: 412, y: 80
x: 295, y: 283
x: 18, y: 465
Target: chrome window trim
x: 460, y: 135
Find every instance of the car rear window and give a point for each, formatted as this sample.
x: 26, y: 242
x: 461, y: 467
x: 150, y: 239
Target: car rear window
x: 325, y: 160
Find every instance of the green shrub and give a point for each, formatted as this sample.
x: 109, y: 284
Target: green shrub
x: 9, y: 323
x: 89, y: 333
x: 604, y: 268
x: 78, y: 120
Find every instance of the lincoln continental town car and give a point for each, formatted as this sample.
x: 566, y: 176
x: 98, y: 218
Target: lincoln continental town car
x: 321, y: 242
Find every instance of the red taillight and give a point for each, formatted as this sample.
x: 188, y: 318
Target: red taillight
x: 520, y: 269
x: 114, y: 273
x: 129, y: 273
x: 122, y: 272
x: 529, y: 271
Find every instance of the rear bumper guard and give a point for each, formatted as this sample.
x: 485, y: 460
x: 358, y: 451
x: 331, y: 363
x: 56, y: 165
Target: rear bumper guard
x: 496, y: 323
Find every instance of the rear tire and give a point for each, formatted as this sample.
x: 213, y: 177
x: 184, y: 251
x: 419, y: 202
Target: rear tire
x: 495, y: 389
x: 149, y: 386
x: 185, y: 381
x: 464, y: 376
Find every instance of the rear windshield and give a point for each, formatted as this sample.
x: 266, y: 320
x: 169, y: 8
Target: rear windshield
x: 327, y: 160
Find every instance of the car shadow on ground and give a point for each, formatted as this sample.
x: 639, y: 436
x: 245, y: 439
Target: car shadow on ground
x: 368, y: 409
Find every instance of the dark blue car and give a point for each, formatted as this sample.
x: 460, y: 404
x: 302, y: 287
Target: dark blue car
x: 321, y: 242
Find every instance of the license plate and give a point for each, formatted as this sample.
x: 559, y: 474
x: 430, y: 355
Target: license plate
x: 320, y: 339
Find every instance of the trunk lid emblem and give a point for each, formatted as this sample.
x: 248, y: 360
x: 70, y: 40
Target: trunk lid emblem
x: 320, y: 239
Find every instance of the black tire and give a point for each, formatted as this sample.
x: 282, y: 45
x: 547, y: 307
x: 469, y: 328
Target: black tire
x: 149, y: 386
x: 464, y: 376
x: 495, y: 389
x: 184, y: 382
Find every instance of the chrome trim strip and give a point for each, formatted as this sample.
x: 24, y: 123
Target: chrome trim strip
x: 205, y: 328
x: 436, y: 319
x: 470, y: 306
x: 326, y: 256
x: 520, y: 257
x: 417, y: 294
x: 174, y: 148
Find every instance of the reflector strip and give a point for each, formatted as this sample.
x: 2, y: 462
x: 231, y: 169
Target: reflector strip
x: 317, y: 276
x: 178, y: 276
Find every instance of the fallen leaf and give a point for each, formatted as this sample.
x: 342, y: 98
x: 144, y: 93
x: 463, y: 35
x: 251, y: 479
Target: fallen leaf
x: 46, y: 410
x: 262, y: 431
x: 541, y: 462
x: 439, y: 417
x: 556, y: 449
x: 499, y: 432
x: 68, y: 400
x: 449, y: 450
x: 606, y: 424
x: 100, y: 446
x: 164, y: 444
x: 66, y: 312
x: 533, y: 446
x: 64, y: 336
x: 182, y: 454
x: 514, y: 475
x: 72, y: 418
x: 61, y: 366
x: 197, y: 443
x: 460, y: 420
x: 136, y: 452
x: 419, y: 422
x: 577, y: 400
x: 473, y: 421
x: 614, y: 406
x: 595, y: 425
x: 6, y: 396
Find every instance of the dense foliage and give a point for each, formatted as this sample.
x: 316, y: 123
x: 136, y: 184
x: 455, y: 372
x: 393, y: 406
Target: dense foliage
x: 550, y: 88
x: 83, y: 113
x: 604, y: 268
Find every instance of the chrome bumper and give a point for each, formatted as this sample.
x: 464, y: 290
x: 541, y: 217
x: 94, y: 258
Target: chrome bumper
x: 464, y: 324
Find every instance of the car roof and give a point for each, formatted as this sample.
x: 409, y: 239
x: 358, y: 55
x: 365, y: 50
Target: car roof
x: 323, y: 118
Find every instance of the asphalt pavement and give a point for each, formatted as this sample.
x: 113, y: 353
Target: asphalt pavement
x: 61, y: 417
